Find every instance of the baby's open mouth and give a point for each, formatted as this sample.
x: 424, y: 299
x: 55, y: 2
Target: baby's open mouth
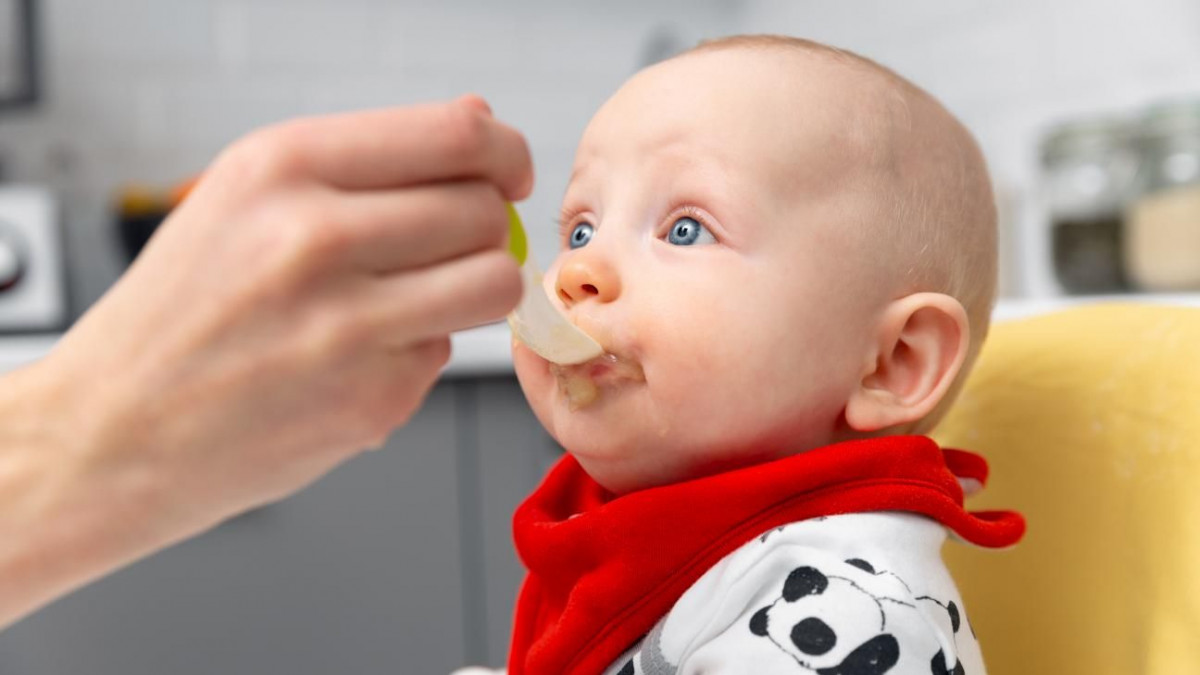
x: 581, y: 383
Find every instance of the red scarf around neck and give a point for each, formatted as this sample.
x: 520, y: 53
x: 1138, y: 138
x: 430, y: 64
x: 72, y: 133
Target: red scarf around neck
x: 603, y: 569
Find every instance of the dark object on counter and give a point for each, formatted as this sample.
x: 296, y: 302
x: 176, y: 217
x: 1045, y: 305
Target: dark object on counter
x: 136, y: 230
x: 20, y: 43
x: 1162, y: 226
x: 1087, y: 255
x: 1088, y: 168
x: 139, y: 212
x: 141, y: 209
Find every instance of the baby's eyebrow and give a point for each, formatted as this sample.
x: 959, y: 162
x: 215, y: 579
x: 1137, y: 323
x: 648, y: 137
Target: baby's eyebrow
x: 576, y: 171
x: 585, y: 156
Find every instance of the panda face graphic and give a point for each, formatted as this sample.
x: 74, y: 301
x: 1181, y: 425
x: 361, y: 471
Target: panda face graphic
x: 831, y: 624
x: 826, y: 626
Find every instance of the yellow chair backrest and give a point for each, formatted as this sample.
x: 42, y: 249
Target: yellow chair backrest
x: 1090, y: 419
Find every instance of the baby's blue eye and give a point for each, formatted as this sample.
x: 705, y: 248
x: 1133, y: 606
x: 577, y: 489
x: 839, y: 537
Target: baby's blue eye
x: 581, y: 235
x: 689, y: 232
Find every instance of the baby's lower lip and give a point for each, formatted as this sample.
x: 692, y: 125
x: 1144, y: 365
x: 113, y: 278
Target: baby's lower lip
x: 581, y: 383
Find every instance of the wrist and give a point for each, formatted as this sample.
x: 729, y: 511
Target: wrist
x: 67, y: 513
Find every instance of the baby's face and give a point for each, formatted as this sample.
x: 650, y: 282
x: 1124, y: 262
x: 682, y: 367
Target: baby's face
x: 711, y: 241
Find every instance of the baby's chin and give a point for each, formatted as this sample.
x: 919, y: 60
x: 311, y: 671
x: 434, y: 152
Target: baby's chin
x: 596, y: 419
x: 625, y: 465
x: 635, y: 446
x: 619, y: 479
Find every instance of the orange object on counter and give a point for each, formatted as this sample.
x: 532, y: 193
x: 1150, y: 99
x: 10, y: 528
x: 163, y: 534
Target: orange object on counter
x: 181, y: 191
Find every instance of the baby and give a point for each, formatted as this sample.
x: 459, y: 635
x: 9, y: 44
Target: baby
x: 789, y: 253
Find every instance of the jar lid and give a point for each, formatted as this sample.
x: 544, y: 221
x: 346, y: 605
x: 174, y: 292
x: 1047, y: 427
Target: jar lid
x: 1170, y: 119
x: 1085, y: 136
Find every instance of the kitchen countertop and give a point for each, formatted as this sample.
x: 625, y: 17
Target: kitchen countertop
x: 477, y: 352
x: 484, y: 351
x: 17, y: 350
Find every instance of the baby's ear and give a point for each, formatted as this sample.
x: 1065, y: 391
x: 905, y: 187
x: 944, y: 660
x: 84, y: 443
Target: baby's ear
x: 920, y: 345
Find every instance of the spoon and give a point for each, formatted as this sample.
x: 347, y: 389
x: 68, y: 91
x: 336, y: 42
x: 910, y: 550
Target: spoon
x: 536, y: 321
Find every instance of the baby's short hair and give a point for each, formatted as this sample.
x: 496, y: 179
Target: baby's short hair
x: 940, y: 213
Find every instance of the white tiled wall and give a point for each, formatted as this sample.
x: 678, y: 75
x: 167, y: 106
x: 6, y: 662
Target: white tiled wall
x: 1008, y: 69
x: 149, y: 90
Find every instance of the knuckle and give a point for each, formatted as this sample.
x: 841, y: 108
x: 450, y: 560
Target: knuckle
x: 400, y: 416
x: 397, y: 407
x: 489, y: 213
x: 436, y: 353
x: 379, y: 418
x: 404, y: 407
x: 325, y: 337
x: 503, y: 279
x: 408, y: 401
x: 323, y: 235
x: 420, y: 366
x: 523, y: 170
x: 377, y: 441
x: 492, y: 285
x: 465, y: 132
x: 284, y: 248
x: 354, y: 334
x: 366, y: 422
x: 268, y: 154
x: 304, y: 234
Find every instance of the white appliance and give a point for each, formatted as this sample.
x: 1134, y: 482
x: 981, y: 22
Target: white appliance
x: 33, y: 295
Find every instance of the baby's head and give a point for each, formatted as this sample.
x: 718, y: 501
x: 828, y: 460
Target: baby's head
x: 785, y: 246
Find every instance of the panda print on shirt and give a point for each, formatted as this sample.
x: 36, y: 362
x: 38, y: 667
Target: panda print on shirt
x: 817, y: 611
x: 784, y: 605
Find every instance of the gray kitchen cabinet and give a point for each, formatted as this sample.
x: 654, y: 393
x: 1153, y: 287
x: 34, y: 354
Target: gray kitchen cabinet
x: 514, y: 452
x: 361, y: 573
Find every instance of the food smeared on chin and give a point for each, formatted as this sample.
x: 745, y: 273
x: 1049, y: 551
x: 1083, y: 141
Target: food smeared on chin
x: 579, y: 390
x: 581, y: 383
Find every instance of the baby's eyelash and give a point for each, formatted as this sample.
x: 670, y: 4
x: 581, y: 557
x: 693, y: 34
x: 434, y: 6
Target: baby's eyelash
x: 689, y: 211
x: 566, y: 221
x: 565, y: 214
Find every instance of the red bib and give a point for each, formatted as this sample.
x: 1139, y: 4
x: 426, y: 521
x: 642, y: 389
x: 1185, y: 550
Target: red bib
x: 603, y: 570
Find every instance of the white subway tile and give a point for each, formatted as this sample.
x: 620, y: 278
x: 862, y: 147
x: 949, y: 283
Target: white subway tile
x: 213, y: 113
x: 130, y: 32
x: 302, y: 35
x: 437, y: 38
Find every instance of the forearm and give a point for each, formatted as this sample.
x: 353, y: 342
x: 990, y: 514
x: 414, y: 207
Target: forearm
x: 67, y: 513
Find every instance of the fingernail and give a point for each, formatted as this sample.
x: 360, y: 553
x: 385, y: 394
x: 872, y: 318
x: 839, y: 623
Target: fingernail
x: 477, y: 102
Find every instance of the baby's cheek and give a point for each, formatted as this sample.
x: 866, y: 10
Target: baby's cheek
x: 735, y: 380
x: 533, y: 372
x: 702, y: 390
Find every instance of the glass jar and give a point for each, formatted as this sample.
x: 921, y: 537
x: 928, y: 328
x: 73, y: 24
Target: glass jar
x: 1088, y: 169
x: 1162, y: 227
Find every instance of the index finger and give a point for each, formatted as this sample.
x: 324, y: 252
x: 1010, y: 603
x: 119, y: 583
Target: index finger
x: 396, y: 147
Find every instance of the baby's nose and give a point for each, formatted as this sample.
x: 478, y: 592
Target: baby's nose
x: 584, y: 277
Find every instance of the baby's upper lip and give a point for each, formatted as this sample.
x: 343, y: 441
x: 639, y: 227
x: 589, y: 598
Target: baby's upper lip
x: 614, y: 351
x: 598, y: 332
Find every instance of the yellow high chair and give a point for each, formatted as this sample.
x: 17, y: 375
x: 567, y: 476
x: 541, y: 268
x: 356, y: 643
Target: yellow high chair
x: 1090, y: 419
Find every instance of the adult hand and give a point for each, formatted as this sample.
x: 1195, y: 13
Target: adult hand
x: 292, y: 311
